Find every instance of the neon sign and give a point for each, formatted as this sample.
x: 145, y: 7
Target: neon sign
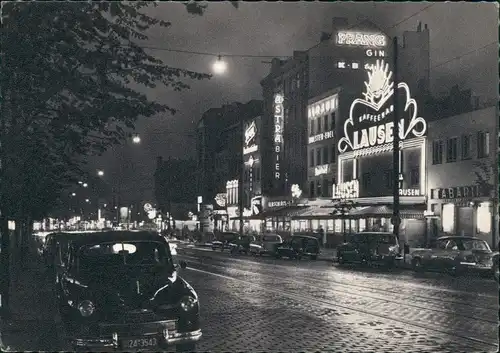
x: 346, y: 190
x: 296, y: 192
x: 409, y: 192
x: 321, y: 169
x: 278, y: 133
x: 220, y: 199
x: 322, y: 107
x: 371, y: 113
x: 361, y: 39
x: 250, y: 134
x: 323, y: 136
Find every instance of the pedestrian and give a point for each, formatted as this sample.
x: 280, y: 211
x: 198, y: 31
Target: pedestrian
x: 321, y: 236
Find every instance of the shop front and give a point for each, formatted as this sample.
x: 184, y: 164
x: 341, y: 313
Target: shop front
x: 465, y: 210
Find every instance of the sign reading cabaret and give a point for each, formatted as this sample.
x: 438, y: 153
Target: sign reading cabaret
x: 278, y: 133
x: 250, y: 138
x: 361, y: 39
x: 368, y: 124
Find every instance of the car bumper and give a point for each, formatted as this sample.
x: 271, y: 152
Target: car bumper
x: 111, y: 342
x: 473, y: 267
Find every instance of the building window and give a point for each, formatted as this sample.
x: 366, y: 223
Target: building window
x: 451, y: 150
x: 311, y: 127
x: 388, y: 178
x: 311, y: 189
x: 318, y: 125
x: 325, y: 155
x: 366, y: 180
x: 332, y: 154
x: 318, y: 188
x: 466, y: 146
x: 311, y: 157
x: 414, y: 177
x: 325, y: 122
x: 318, y: 156
x: 484, y: 218
x: 437, y: 152
x: 332, y: 121
x: 327, y: 190
x: 297, y: 78
x: 483, y: 144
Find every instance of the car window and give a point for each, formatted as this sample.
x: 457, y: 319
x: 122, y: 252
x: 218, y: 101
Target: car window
x: 124, y: 253
x: 451, y: 245
x: 297, y: 241
x: 442, y: 244
x: 475, y: 244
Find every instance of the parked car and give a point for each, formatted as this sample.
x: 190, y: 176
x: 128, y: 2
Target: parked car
x: 242, y: 244
x: 370, y: 248
x: 495, y: 266
x: 265, y: 244
x: 121, y: 291
x: 298, y: 247
x: 455, y: 254
x: 54, y: 243
x: 224, y: 240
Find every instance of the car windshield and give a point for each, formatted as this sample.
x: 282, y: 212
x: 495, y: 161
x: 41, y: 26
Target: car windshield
x: 474, y: 244
x: 130, y: 253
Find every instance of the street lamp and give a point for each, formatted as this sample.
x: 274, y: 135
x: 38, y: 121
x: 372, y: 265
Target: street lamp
x: 219, y: 66
x: 100, y: 172
x: 136, y: 139
x: 87, y: 200
x: 85, y: 185
x: 73, y: 194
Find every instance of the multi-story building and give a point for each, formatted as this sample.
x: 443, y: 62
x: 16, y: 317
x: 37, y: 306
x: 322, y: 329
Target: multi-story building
x: 462, y: 175
x: 284, y: 126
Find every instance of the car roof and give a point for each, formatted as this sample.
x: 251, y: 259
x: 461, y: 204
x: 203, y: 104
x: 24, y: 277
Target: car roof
x: 304, y: 236
x: 378, y: 233
x: 120, y: 235
x: 451, y: 237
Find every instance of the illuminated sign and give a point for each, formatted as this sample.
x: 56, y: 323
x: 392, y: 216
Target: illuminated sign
x: 322, y: 107
x: 361, y: 39
x: 457, y: 192
x: 296, y: 192
x: 371, y: 113
x: 251, y: 161
x: 346, y: 190
x: 409, y: 192
x: 282, y: 203
x: 147, y: 207
x: 378, y: 53
x: 321, y: 169
x: 278, y: 133
x: 256, y: 205
x: 323, y: 136
x: 220, y: 199
x: 250, y: 134
x: 247, y: 212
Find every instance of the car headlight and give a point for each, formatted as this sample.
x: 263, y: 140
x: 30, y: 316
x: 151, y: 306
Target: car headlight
x: 86, y: 308
x: 394, y: 249
x: 188, y: 302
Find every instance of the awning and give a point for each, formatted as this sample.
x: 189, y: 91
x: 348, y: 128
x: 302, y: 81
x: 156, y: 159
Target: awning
x: 322, y: 212
x: 287, y: 211
x: 405, y: 212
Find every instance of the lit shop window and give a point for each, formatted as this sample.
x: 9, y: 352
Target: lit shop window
x: 341, y: 64
x: 484, y: 218
x: 448, y: 217
x: 330, y: 227
x: 338, y: 225
x: 355, y: 65
x: 315, y: 224
x: 362, y: 225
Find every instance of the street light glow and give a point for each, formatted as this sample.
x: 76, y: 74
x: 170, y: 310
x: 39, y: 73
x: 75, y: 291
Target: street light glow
x: 87, y: 200
x: 80, y: 182
x: 219, y: 66
x: 73, y: 194
x: 100, y: 172
x: 136, y: 139
x: 85, y: 185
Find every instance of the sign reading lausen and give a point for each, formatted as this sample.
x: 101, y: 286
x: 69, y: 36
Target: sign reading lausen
x: 367, y: 125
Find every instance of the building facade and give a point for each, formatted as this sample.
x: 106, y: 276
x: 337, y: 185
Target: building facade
x: 462, y: 182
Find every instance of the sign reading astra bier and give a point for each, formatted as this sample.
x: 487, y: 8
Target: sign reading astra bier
x: 368, y: 124
x: 278, y: 133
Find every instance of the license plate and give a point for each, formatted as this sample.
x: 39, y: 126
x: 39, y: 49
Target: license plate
x: 146, y: 342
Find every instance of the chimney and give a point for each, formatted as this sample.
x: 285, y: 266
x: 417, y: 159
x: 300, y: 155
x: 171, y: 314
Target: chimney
x: 419, y: 26
x: 425, y: 27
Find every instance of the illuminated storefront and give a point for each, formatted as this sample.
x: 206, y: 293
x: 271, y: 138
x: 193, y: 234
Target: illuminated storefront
x: 364, y: 166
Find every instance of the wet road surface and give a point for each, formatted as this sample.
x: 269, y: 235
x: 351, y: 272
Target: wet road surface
x: 262, y: 304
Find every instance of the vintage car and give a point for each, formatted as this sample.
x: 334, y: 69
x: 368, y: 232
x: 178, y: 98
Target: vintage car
x: 299, y: 246
x: 455, y: 254
x: 120, y: 291
x: 242, y: 244
x: 265, y: 244
x: 370, y: 248
x: 224, y: 240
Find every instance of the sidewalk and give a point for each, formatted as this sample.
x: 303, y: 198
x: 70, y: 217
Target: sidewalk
x: 32, y: 325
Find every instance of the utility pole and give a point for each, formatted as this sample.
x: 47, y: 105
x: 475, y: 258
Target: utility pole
x: 4, y: 228
x: 396, y: 220
x: 169, y: 199
x: 242, y: 171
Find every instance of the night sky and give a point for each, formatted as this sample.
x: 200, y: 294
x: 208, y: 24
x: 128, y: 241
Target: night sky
x: 276, y: 29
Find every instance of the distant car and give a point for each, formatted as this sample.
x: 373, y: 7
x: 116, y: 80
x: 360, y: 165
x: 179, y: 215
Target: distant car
x: 121, y: 291
x: 455, y: 254
x: 370, y: 248
x: 299, y: 246
x: 224, y: 240
x: 265, y: 244
x: 242, y: 244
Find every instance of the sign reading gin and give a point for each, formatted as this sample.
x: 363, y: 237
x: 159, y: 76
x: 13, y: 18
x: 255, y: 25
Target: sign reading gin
x: 370, y: 121
x: 278, y: 133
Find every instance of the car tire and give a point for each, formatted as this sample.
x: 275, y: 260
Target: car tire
x: 340, y: 259
x: 416, y: 264
x: 186, y: 347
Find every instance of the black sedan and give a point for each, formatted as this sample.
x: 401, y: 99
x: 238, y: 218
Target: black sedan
x: 120, y: 291
x: 299, y: 246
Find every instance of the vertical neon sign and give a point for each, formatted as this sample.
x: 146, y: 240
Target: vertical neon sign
x: 278, y: 133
